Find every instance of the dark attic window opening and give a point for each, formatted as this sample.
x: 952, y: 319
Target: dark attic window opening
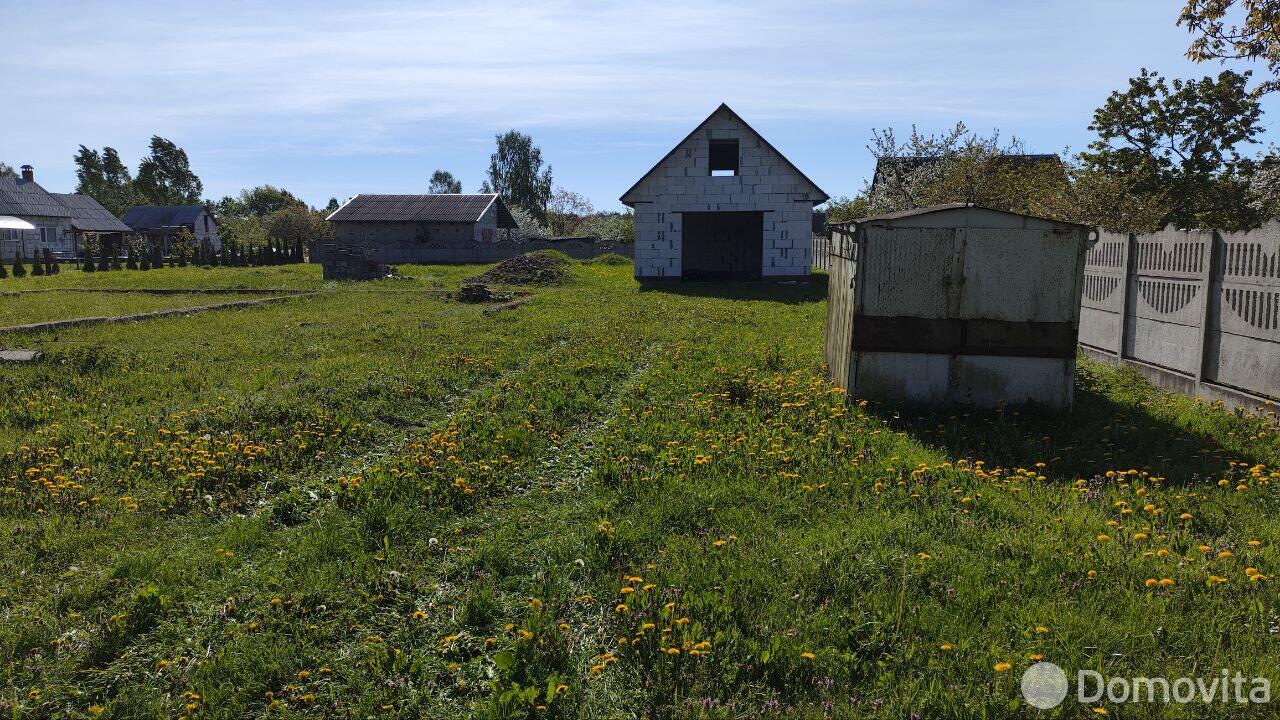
x: 724, y: 158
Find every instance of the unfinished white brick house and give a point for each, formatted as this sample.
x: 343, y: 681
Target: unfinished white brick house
x: 723, y: 204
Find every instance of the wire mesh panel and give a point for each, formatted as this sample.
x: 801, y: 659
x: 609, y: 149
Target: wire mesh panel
x: 908, y: 271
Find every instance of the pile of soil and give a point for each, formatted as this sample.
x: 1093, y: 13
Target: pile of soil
x: 542, y: 267
x: 472, y: 292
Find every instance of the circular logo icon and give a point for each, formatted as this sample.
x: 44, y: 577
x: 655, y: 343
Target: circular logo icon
x: 1044, y: 685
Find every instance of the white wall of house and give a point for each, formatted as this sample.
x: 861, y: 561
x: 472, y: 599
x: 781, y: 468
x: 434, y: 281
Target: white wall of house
x: 486, y: 229
x: 206, y: 228
x: 683, y: 183
x: 53, y: 233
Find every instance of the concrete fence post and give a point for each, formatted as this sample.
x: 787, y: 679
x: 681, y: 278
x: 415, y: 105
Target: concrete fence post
x: 1209, y: 267
x: 1122, y: 327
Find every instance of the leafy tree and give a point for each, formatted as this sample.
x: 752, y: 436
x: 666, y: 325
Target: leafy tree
x: 528, y: 227
x: 292, y: 228
x: 443, y: 181
x: 105, y: 178
x: 241, y: 233
x: 565, y: 212
x: 165, y: 176
x: 610, y: 227
x: 1254, y: 35
x: 516, y: 173
x: 958, y: 166
x: 181, y: 246
x: 1175, y: 143
x: 1264, y: 185
x: 1113, y: 201
x: 334, y: 205
x: 6, y: 170
x: 89, y: 172
x: 259, y: 201
x: 844, y: 208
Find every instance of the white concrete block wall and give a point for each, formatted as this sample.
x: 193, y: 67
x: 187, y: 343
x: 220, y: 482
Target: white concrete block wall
x: 488, y: 222
x: 205, y: 229
x: 765, y: 183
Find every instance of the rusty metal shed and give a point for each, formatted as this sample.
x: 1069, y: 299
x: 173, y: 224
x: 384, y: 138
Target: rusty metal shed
x: 956, y: 304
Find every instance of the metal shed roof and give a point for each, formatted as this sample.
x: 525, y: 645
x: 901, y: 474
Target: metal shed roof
x: 158, y: 217
x: 444, y: 207
x: 26, y: 197
x: 943, y: 208
x: 88, y: 215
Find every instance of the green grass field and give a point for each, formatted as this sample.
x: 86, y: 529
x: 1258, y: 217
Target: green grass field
x: 26, y: 308
x: 609, y: 502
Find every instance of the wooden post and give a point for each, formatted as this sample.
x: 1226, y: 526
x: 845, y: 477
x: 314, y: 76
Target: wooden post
x: 1206, y: 290
x: 1130, y: 258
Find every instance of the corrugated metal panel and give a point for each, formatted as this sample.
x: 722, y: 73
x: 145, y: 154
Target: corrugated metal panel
x: 1019, y: 275
x: 907, y: 271
x: 20, y: 197
x: 462, y: 208
x: 157, y: 217
x: 88, y: 215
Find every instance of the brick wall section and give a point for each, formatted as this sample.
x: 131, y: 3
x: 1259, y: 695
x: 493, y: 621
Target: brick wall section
x: 765, y: 183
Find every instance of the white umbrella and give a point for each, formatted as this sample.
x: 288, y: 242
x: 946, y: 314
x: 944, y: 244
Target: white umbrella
x: 9, y: 222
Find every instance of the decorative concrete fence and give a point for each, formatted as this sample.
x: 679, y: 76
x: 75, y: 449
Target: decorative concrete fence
x: 1194, y: 311
x: 350, y: 262
x: 458, y: 252
x: 822, y: 250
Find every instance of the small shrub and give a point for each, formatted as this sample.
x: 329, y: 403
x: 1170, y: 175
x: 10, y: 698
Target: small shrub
x: 19, y: 270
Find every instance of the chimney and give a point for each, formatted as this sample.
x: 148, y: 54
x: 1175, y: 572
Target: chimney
x: 28, y: 173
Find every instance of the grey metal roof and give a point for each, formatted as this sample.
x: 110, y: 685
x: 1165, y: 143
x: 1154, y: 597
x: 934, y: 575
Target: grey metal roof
x: 160, y: 217
x: 26, y: 197
x: 459, y: 208
x: 88, y: 215
x: 943, y: 208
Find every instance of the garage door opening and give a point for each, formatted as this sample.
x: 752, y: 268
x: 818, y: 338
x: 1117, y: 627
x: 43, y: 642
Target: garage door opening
x: 721, y: 245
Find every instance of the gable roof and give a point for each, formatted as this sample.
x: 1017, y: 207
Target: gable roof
x: 88, y: 215
x: 723, y: 108
x: 944, y: 208
x: 909, y: 163
x: 161, y: 217
x: 25, y: 197
x: 443, y: 207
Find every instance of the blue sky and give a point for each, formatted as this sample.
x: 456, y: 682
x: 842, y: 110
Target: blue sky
x: 334, y: 99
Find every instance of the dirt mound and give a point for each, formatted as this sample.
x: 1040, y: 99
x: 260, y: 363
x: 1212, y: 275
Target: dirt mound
x: 608, y: 259
x: 474, y: 293
x: 542, y: 267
